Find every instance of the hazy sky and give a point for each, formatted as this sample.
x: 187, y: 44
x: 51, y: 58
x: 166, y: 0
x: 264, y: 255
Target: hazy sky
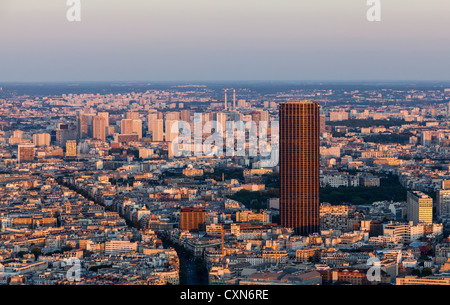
x: 133, y: 40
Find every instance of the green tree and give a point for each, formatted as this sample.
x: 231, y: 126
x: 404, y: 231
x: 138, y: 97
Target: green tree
x: 21, y: 254
x: 66, y: 248
x: 36, y: 251
x: 415, y: 272
x: 426, y: 272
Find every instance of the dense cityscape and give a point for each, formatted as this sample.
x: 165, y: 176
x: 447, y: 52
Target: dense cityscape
x: 275, y: 183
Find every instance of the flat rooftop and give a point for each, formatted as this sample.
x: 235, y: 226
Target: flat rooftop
x: 299, y: 102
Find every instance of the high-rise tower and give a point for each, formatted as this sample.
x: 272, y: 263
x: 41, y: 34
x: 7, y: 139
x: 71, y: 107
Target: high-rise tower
x: 99, y: 128
x: 420, y: 207
x: 299, y: 166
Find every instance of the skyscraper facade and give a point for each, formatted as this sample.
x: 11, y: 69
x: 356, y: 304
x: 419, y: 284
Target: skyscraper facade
x: 99, y: 128
x: 172, y: 116
x: 192, y: 219
x: 157, y: 129
x: 171, y: 125
x: 106, y: 116
x: 420, y: 207
x: 132, y: 115
x: 85, y: 125
x: 137, y: 127
x: 129, y: 126
x: 299, y: 166
x: 41, y: 139
x: 185, y: 115
x: 443, y: 199
x: 71, y: 148
x: 25, y: 153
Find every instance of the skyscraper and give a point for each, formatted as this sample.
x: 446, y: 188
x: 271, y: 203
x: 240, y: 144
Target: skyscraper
x: 170, y: 133
x: 420, y: 207
x: 85, y: 125
x: 25, y: 153
x: 172, y: 116
x: 41, y: 139
x: 220, y: 118
x: 137, y: 127
x: 132, y: 115
x: 192, y: 219
x: 126, y: 126
x: 106, y: 116
x: 323, y: 124
x: 71, y: 148
x: 185, y: 115
x: 129, y: 126
x: 65, y: 133
x: 260, y: 115
x: 157, y: 128
x: 299, y: 166
x: 443, y: 199
x: 152, y: 117
x: 99, y: 128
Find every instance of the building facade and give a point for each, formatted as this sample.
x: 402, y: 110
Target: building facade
x: 299, y: 166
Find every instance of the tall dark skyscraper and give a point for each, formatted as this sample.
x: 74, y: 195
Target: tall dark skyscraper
x: 299, y: 166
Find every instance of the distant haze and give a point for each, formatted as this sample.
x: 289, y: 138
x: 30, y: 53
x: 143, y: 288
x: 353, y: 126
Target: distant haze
x: 145, y: 40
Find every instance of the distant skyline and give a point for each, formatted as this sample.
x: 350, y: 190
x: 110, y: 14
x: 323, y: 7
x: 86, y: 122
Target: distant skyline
x: 224, y: 40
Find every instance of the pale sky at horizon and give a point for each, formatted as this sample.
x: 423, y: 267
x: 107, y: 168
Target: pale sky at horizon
x: 151, y: 40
